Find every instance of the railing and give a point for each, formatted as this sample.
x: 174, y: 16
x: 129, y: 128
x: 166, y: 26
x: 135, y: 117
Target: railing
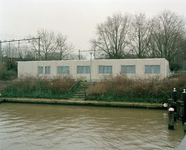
x: 72, y: 89
x: 88, y: 89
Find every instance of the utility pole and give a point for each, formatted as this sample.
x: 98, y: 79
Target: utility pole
x: 90, y: 64
x: 79, y: 54
x: 94, y: 54
x: 39, y: 47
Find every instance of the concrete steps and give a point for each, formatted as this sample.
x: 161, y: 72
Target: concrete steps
x: 80, y: 93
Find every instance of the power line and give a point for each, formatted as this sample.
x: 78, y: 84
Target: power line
x: 19, y: 40
x: 10, y: 36
x: 25, y: 39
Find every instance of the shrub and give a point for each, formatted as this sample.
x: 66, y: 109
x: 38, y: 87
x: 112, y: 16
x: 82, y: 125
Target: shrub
x: 121, y: 88
x: 7, y: 74
x: 2, y: 70
x: 39, y: 87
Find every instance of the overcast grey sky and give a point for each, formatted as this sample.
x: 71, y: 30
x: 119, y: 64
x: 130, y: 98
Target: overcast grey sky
x: 77, y: 19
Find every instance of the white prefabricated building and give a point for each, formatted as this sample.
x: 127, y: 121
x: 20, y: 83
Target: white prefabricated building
x: 94, y: 70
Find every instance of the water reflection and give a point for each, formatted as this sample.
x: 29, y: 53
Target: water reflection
x: 34, y: 126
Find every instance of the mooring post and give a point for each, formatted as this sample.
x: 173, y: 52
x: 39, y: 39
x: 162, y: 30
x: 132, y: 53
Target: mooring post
x: 174, y: 96
x: 171, y: 119
x: 169, y: 103
x: 184, y: 109
x: 184, y: 128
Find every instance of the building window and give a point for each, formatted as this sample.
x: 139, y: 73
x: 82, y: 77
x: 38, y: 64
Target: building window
x: 105, y: 69
x: 62, y: 69
x: 128, y: 69
x: 83, y: 69
x: 40, y: 70
x: 152, y: 69
x: 47, y: 69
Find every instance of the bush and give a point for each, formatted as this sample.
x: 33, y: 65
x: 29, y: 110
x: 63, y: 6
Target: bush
x: 6, y: 74
x: 9, y: 75
x: 37, y: 87
x: 2, y: 70
x: 121, y: 88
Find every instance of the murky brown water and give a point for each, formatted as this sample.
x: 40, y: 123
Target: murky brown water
x: 36, y: 126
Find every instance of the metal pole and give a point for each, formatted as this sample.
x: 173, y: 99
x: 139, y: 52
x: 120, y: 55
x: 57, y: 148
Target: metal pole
x: 94, y: 54
x: 39, y: 48
x: 171, y: 119
x: 90, y: 64
x: 9, y: 50
x: 174, y: 93
x: 79, y: 54
x: 0, y: 53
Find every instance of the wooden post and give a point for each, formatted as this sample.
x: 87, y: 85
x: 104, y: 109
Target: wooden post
x: 184, y: 101
x: 171, y: 119
x: 174, y: 96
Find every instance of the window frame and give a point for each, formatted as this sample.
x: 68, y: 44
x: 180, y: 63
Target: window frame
x: 40, y: 71
x: 150, y: 69
x: 61, y: 71
x: 47, y: 68
x: 82, y: 68
x: 125, y: 70
x: 102, y: 70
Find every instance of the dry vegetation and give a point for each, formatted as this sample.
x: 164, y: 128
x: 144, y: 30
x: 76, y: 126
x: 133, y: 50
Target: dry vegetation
x: 39, y: 87
x: 120, y: 88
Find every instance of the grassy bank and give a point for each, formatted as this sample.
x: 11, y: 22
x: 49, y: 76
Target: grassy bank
x: 121, y: 88
x: 36, y: 87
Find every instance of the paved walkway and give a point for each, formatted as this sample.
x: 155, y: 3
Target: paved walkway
x: 182, y: 145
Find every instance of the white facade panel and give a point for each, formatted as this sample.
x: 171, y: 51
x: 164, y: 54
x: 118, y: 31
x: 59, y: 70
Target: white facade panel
x: 31, y: 67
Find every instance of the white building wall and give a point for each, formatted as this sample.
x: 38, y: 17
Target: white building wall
x: 31, y: 67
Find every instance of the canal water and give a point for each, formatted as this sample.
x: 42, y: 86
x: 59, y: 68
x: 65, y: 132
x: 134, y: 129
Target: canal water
x: 42, y: 127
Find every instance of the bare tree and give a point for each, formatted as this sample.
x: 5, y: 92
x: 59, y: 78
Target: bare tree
x: 140, y: 36
x: 63, y: 47
x: 112, y: 37
x: 168, y: 30
x: 52, y: 44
